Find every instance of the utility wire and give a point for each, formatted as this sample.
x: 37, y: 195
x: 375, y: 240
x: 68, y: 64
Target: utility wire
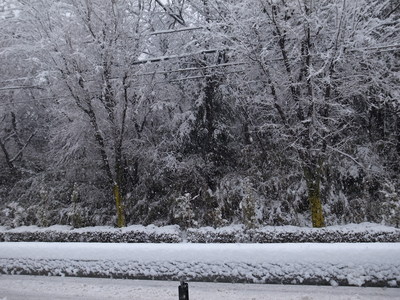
x: 16, y: 79
x: 158, y: 83
x: 387, y: 48
x: 176, y: 30
x: 33, y: 100
x: 22, y: 87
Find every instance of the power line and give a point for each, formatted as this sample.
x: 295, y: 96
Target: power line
x: 137, y: 85
x: 176, y: 30
x: 186, y: 69
x: 155, y: 83
x: 156, y: 72
x: 387, y: 48
x: 391, y: 47
x: 33, y: 100
x: 16, y: 79
x: 21, y: 87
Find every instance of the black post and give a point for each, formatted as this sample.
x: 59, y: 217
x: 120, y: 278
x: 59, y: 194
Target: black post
x: 183, y: 291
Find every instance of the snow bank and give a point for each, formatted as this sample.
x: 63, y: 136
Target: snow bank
x: 364, y: 232
x: 361, y: 264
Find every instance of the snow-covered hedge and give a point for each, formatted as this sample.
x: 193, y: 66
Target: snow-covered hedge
x: 229, y: 234
x: 352, y: 233
x: 131, y: 234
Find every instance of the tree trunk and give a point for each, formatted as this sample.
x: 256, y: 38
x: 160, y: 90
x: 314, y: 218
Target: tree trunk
x: 7, y: 156
x: 106, y: 166
x: 314, y: 198
x: 119, y: 205
x: 118, y: 187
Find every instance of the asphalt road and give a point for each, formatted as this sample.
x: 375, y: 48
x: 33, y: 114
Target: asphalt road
x: 60, y: 288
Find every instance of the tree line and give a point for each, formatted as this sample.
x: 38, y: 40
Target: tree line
x: 199, y: 113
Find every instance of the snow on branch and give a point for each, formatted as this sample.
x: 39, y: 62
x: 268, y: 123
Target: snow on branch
x: 191, y: 69
x: 346, y: 155
x: 177, y: 17
x: 176, y: 30
x: 23, y: 147
x: 164, y: 58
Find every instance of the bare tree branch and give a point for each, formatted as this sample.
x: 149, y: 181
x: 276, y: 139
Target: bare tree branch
x: 177, y: 17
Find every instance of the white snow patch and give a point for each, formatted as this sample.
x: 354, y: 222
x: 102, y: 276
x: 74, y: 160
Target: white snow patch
x: 354, y: 264
x: 34, y: 228
x: 172, y: 229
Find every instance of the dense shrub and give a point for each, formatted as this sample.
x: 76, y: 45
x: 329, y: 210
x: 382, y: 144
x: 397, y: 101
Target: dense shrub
x: 352, y: 233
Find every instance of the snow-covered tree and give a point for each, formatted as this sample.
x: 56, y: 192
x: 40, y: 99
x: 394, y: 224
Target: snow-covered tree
x: 23, y: 113
x: 308, y: 69
x: 232, y: 112
x: 89, y: 48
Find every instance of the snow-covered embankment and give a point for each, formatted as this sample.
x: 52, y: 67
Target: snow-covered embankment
x: 361, y: 264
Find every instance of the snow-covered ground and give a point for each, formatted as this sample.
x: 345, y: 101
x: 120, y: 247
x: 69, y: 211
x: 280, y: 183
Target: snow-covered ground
x: 62, y: 288
x: 308, y: 263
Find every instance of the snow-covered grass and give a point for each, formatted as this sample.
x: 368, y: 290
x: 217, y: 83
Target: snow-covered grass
x: 361, y: 264
x: 365, y: 232
x: 43, y: 288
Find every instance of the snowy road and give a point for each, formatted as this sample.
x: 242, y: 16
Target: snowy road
x: 63, y: 288
x: 371, y: 264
